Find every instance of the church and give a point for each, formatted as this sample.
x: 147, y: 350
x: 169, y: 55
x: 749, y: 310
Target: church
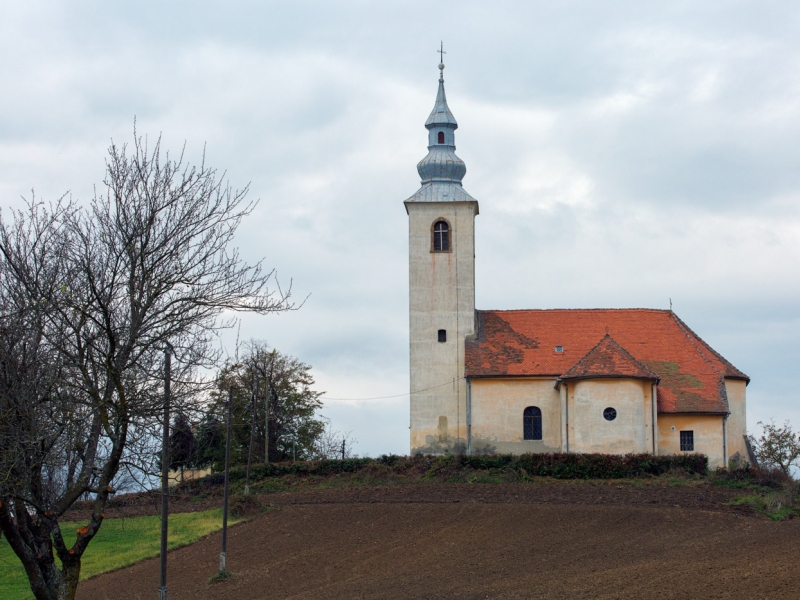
x: 611, y: 381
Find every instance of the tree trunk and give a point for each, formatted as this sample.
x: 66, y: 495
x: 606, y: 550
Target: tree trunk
x: 47, y: 581
x: 70, y: 574
x: 273, y: 439
x: 272, y: 429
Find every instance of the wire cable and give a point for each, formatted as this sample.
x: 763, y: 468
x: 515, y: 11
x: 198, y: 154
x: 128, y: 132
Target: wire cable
x: 396, y: 395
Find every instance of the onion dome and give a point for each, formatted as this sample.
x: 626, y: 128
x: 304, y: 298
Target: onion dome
x: 441, y: 170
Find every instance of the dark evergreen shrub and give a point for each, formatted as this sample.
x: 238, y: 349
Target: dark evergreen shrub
x: 559, y: 466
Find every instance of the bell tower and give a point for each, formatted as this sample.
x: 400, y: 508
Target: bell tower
x: 441, y: 251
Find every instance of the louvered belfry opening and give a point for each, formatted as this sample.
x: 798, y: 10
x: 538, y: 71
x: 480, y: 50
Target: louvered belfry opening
x: 441, y: 237
x: 441, y: 137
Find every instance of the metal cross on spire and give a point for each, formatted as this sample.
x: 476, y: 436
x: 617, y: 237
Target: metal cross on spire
x: 441, y: 60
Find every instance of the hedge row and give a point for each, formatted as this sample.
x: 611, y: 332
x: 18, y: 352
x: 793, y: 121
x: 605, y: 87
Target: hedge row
x: 589, y: 466
x: 559, y: 466
x: 264, y: 471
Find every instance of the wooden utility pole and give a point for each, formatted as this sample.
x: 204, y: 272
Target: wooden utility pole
x: 266, y: 421
x: 162, y: 590
x: 253, y: 397
x: 222, y: 555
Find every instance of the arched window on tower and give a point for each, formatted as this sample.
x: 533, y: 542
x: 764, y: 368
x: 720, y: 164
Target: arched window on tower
x: 441, y: 137
x: 441, y: 236
x: 532, y: 423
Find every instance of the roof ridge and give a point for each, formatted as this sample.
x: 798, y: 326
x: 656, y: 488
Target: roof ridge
x: 538, y: 342
x: 629, y: 355
x: 708, y: 347
x: 721, y: 384
x: 621, y: 348
x: 585, y: 356
x: 656, y: 310
x: 685, y: 330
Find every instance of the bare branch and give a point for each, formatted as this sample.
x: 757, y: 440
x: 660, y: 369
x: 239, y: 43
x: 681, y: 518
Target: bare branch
x: 89, y: 298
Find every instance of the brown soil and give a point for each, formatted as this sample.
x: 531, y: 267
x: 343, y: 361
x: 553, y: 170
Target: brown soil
x: 555, y: 540
x: 696, y: 493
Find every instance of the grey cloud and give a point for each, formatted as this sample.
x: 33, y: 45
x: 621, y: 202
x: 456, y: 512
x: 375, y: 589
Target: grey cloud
x: 623, y: 153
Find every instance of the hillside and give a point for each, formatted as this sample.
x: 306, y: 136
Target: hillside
x: 547, y: 539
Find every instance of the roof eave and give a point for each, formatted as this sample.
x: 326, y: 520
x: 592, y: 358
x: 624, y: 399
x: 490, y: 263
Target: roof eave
x: 641, y: 377
x: 513, y: 376
x: 694, y: 412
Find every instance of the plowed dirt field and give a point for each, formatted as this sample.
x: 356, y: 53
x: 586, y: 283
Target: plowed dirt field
x: 486, y: 541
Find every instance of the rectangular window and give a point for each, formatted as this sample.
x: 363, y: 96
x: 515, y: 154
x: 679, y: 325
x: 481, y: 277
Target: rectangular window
x: 687, y: 441
x: 442, y: 335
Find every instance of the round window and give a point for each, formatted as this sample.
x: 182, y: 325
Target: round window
x: 609, y: 414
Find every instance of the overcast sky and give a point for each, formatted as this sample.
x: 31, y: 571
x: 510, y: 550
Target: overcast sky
x: 623, y: 153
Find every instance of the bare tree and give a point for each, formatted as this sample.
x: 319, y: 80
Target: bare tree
x: 333, y: 444
x: 778, y: 447
x: 90, y: 298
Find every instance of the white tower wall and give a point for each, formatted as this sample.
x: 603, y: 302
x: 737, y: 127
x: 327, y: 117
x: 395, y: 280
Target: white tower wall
x: 441, y: 289
x: 442, y: 296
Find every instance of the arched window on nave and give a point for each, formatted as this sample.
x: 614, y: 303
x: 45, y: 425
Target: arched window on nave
x: 532, y: 423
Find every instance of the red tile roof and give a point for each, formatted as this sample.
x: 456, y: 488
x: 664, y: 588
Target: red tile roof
x: 522, y: 343
x: 609, y: 359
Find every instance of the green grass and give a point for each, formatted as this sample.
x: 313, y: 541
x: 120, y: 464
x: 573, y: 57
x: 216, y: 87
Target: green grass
x: 270, y: 486
x: 775, y: 505
x: 119, y: 543
x: 220, y: 576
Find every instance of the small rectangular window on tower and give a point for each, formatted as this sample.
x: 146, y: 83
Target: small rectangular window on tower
x: 442, y: 335
x: 687, y: 441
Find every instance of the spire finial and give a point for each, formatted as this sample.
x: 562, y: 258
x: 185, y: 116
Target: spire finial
x: 441, y: 60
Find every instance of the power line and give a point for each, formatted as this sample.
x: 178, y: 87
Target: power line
x: 241, y: 420
x: 397, y: 395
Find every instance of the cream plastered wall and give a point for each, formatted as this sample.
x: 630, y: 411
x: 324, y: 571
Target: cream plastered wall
x: 737, y: 420
x: 630, y: 431
x: 708, y: 436
x: 497, y: 407
x: 441, y: 296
